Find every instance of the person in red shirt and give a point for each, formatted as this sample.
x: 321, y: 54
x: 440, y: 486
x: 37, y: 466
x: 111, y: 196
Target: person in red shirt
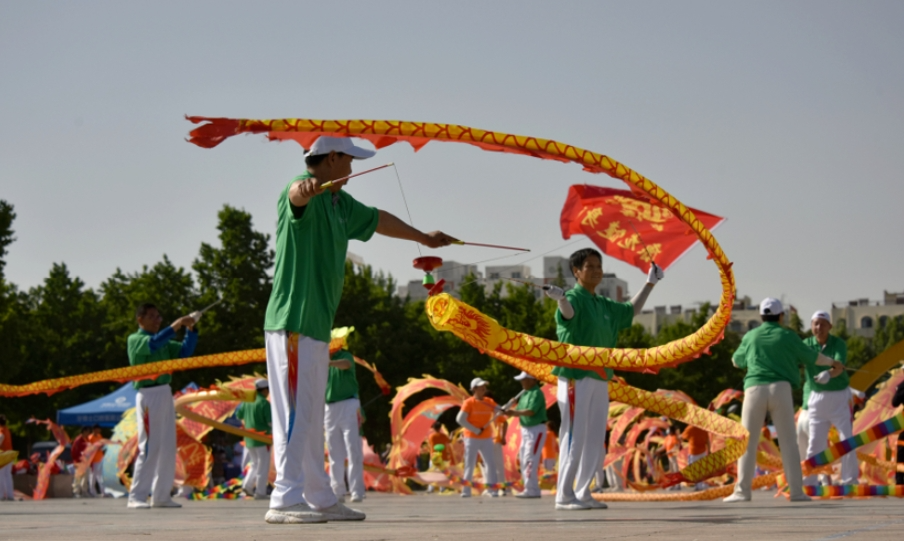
x: 96, y: 476
x: 438, y: 437
x: 698, y: 443
x: 79, y: 444
x: 6, y: 472
x: 476, y: 417
x: 550, y: 448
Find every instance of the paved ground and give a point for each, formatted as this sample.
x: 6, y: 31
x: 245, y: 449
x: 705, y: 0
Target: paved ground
x: 436, y: 517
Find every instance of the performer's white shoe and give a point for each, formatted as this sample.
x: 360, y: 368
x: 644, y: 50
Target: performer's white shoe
x: 261, y: 496
x: 801, y: 498
x: 526, y: 496
x: 295, y: 514
x: 136, y: 504
x: 734, y: 498
x: 574, y: 505
x: 341, y: 512
x: 595, y: 504
x: 356, y: 498
x: 168, y: 503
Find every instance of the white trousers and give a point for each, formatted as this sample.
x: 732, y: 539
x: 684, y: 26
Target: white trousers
x: 532, y: 440
x: 6, y: 482
x: 484, y: 446
x: 500, y: 462
x: 582, y: 438
x: 257, y: 479
x: 343, y: 441
x: 829, y: 408
x: 803, y: 432
x: 97, y: 476
x: 775, y: 399
x: 155, y: 468
x: 298, y: 373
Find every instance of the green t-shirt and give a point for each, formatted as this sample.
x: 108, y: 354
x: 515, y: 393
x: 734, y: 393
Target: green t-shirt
x: 835, y: 348
x: 597, y: 321
x: 256, y: 416
x: 342, y: 384
x: 772, y: 353
x: 139, y: 349
x: 310, y: 260
x: 534, y: 401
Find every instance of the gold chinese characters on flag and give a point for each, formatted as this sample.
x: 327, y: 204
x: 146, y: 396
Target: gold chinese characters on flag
x: 626, y: 227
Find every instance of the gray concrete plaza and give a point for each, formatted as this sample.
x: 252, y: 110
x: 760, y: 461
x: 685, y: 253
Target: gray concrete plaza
x: 441, y: 517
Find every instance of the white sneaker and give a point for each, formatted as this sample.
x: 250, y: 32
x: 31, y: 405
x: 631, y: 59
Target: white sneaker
x: 491, y: 493
x: 465, y: 494
x: 167, y: 503
x: 261, y: 496
x: 296, y: 514
x: 595, y: 504
x: 734, y: 498
x: 573, y: 505
x: 341, y: 512
x: 356, y: 499
x: 136, y: 504
x: 526, y: 496
x: 801, y: 498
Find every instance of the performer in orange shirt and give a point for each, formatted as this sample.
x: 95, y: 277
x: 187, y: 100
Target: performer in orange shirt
x: 96, y: 473
x: 438, y: 437
x: 550, y: 448
x: 698, y: 441
x: 475, y: 416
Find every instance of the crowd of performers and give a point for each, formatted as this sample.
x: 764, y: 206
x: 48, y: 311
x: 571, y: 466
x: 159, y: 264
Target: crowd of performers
x: 308, y: 393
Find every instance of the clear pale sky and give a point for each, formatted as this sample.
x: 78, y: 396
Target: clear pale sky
x: 785, y: 117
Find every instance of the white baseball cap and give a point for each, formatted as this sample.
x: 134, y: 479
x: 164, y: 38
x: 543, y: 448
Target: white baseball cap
x: 326, y: 144
x: 261, y: 384
x: 821, y: 314
x: 523, y: 375
x: 477, y: 382
x: 771, y: 307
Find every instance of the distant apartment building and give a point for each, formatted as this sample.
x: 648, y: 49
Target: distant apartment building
x: 744, y: 316
x: 862, y: 316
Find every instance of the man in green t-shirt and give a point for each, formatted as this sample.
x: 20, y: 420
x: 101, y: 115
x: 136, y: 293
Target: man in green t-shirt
x: 256, y: 416
x: 584, y: 318
x: 531, y: 409
x: 772, y: 356
x: 155, y: 467
x: 312, y: 232
x: 343, y: 424
x: 829, y: 400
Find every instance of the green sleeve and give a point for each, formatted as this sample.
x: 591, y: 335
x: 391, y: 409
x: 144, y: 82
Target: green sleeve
x: 139, y: 348
x: 841, y: 351
x: 343, y: 355
x: 268, y: 417
x: 806, y: 355
x: 361, y: 220
x: 240, y: 412
x: 624, y: 312
x: 740, y: 355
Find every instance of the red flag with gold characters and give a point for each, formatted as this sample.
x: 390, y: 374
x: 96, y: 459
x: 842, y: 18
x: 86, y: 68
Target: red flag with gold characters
x: 626, y: 227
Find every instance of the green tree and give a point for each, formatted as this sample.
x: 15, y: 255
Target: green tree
x: 237, y: 273
x: 7, y: 216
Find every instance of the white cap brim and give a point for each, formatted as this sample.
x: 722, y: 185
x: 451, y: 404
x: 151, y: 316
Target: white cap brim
x: 523, y: 375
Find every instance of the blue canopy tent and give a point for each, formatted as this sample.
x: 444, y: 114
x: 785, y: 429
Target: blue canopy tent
x: 105, y: 411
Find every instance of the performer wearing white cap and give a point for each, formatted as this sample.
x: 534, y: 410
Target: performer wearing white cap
x: 772, y: 355
x: 312, y: 233
x: 531, y: 409
x: 476, y: 416
x: 155, y: 467
x: 829, y: 402
x: 257, y: 416
x: 587, y: 319
x: 343, y: 427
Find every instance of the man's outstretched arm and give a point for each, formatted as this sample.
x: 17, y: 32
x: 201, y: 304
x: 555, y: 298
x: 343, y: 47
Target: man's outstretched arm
x: 391, y: 226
